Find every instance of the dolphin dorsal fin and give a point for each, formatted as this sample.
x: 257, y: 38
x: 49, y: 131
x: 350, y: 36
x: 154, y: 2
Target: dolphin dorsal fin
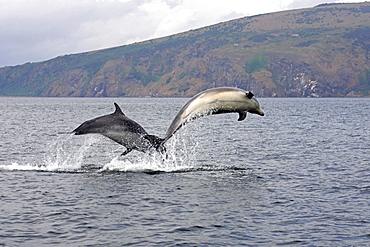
x: 118, y: 110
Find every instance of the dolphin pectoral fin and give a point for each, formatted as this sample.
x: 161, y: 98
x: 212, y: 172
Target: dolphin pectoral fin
x: 126, y: 152
x: 242, y: 115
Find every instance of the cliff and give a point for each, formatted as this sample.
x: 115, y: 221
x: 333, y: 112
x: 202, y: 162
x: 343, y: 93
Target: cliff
x: 316, y: 52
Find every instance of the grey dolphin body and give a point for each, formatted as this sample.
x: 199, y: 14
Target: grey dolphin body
x: 122, y: 130
x: 215, y: 101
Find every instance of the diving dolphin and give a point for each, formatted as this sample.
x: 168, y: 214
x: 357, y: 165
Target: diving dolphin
x: 215, y: 101
x: 122, y: 130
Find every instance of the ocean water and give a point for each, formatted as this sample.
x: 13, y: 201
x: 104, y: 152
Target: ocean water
x: 298, y: 176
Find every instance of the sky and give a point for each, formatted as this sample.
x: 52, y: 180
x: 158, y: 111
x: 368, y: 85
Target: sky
x: 38, y: 30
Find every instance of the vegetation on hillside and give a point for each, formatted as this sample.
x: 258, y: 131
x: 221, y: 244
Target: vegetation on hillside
x: 316, y: 52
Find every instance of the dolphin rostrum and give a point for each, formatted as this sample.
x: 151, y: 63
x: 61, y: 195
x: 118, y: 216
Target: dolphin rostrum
x: 215, y: 101
x: 122, y: 130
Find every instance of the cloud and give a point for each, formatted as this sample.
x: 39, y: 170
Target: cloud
x: 42, y: 29
x: 37, y: 30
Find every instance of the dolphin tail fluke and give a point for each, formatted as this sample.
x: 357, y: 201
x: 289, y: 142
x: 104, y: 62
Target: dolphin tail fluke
x: 157, y: 142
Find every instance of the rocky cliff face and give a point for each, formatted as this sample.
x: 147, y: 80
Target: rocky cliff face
x: 318, y: 52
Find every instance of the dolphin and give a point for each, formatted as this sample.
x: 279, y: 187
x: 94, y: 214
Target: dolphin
x: 122, y: 130
x: 215, y: 101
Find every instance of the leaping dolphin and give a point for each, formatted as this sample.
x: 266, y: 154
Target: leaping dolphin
x: 131, y: 135
x: 122, y: 130
x: 215, y: 101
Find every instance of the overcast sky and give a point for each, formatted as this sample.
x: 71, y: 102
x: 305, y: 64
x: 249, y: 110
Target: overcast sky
x: 37, y: 30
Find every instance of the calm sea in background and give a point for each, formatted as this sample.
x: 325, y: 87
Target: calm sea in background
x: 300, y: 175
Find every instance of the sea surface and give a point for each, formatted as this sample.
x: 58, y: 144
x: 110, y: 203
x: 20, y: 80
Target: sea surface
x: 298, y: 176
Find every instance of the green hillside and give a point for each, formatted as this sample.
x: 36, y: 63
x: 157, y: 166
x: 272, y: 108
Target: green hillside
x: 316, y: 52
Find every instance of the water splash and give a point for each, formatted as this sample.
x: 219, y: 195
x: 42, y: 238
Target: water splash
x: 65, y: 156
x: 180, y: 156
x: 62, y: 156
x: 69, y: 154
